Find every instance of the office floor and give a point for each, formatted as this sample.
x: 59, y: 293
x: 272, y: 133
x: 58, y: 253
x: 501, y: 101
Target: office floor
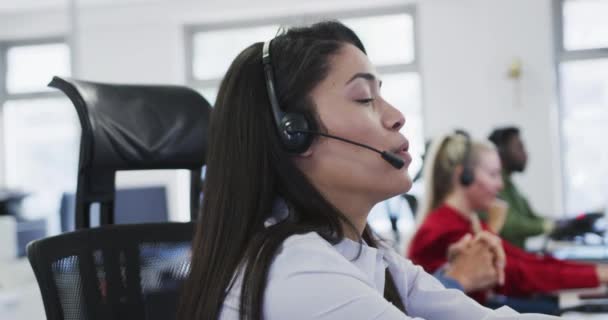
x: 19, y: 294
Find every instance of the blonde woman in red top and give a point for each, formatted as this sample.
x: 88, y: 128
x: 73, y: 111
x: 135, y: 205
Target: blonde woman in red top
x: 463, y: 177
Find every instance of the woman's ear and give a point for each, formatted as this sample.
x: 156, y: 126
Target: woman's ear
x: 306, y: 153
x: 302, y: 160
x: 457, y: 174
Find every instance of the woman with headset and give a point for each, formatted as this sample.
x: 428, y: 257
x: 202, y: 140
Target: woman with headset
x: 463, y: 177
x: 290, y: 181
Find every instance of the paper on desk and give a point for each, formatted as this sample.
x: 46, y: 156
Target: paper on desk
x: 584, y: 316
x: 571, y: 298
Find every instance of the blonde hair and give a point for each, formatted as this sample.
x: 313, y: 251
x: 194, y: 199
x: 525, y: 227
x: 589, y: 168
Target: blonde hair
x: 444, y: 156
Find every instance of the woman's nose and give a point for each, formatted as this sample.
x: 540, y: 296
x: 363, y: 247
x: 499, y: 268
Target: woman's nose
x: 394, y: 119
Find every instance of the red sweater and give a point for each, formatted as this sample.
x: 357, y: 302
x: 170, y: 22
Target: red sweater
x: 525, y: 273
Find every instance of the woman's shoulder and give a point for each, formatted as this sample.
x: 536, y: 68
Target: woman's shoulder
x: 440, y: 229
x: 302, y: 260
x: 308, y: 252
x: 444, y: 219
x: 313, y: 278
x: 306, y: 240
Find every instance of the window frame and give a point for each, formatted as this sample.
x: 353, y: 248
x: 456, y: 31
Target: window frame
x: 5, y: 96
x: 191, y: 30
x: 563, y: 55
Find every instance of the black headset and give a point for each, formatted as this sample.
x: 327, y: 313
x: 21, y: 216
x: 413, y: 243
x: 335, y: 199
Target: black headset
x: 293, y: 128
x: 467, y: 177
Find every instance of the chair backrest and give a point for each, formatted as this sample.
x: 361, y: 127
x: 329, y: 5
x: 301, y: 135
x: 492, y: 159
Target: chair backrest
x: 113, y: 272
x: 134, y: 127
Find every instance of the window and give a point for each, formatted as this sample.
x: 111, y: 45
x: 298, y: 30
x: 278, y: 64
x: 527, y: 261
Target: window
x: 582, y: 51
x: 396, y: 61
x: 210, y: 54
x: 584, y: 24
x: 40, y: 127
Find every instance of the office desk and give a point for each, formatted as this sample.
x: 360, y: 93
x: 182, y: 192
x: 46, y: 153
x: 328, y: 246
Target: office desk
x: 19, y: 294
x: 567, y: 250
x: 584, y: 316
x: 571, y: 251
x: 571, y: 298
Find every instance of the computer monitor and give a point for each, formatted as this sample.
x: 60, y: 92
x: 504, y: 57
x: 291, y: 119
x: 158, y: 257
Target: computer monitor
x: 131, y: 205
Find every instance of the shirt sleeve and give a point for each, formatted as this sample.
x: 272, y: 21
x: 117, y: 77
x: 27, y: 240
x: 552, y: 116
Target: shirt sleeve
x: 521, y: 222
x: 527, y: 274
x: 318, y: 283
x: 425, y: 297
x: 448, y: 282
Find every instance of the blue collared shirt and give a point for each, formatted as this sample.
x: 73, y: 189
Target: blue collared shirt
x: 446, y: 281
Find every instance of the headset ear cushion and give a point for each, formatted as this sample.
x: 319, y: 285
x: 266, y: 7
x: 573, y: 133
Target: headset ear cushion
x: 294, y: 141
x: 467, y: 177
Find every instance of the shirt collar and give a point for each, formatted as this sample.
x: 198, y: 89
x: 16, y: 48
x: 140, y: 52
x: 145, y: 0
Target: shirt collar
x: 279, y: 212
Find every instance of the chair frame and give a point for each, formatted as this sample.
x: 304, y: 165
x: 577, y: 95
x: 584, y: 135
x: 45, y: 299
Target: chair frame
x: 111, y: 240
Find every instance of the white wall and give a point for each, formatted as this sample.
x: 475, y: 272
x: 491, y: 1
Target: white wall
x: 466, y: 48
x: 465, y: 45
x: 34, y: 24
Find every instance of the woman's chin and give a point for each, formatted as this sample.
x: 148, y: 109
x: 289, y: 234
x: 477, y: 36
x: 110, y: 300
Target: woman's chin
x: 407, y: 183
x: 407, y: 187
x: 403, y: 187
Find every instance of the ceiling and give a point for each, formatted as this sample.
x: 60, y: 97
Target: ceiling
x: 7, y: 6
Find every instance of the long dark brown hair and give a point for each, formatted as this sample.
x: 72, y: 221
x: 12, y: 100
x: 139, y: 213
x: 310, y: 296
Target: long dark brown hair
x: 247, y: 169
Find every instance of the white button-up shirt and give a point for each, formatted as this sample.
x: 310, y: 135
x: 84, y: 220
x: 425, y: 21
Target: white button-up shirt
x: 311, y: 279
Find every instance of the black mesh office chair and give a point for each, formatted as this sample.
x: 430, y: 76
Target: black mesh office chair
x: 123, y: 271
x: 113, y: 272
